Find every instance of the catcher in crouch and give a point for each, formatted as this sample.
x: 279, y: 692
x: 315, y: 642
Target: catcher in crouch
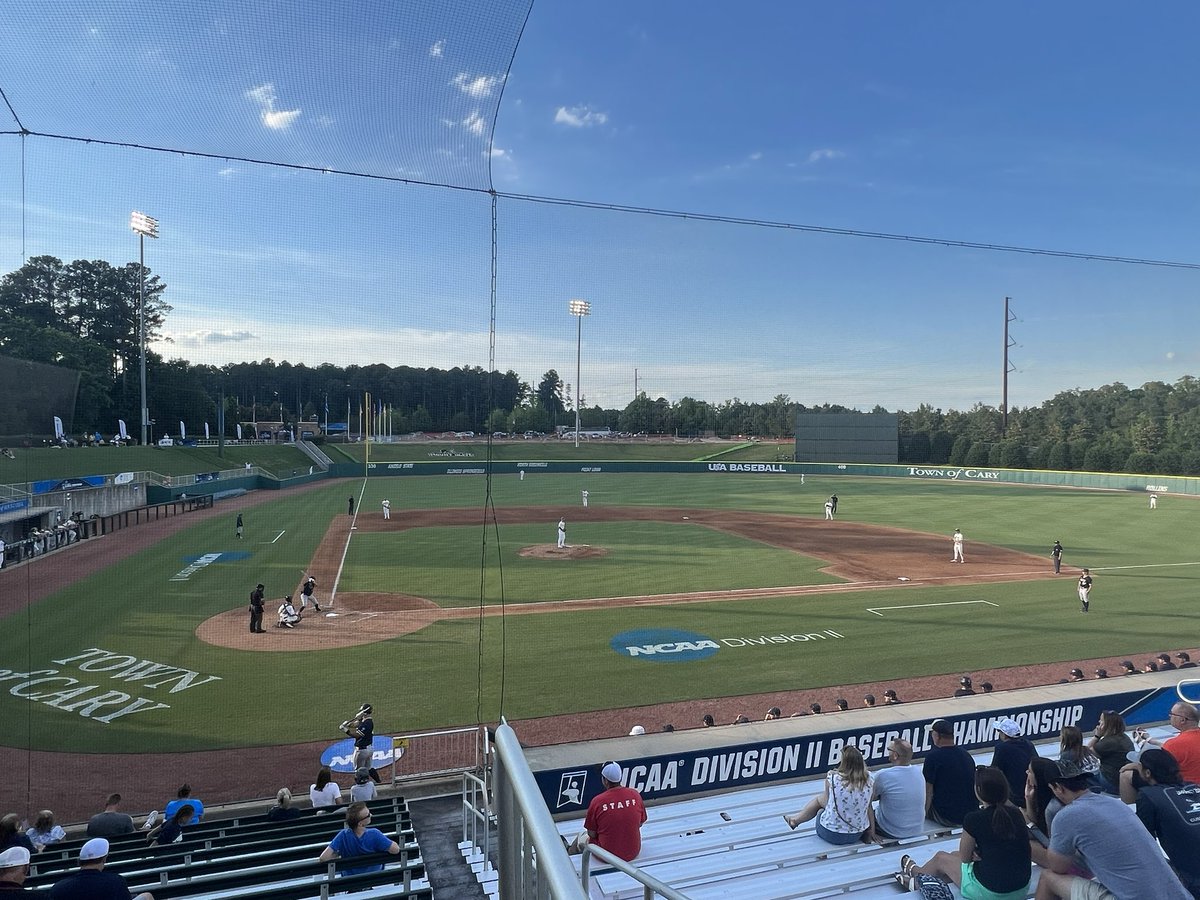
x: 288, y: 617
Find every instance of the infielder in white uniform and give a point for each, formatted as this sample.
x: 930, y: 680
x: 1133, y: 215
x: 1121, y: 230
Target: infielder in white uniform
x: 522, y: 478
x: 957, y: 537
x: 387, y: 509
x: 828, y: 509
x: 584, y: 494
x: 1153, y: 501
x: 562, y: 533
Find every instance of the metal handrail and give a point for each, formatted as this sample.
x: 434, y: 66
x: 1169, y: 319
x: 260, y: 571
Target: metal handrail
x: 653, y: 886
x: 1184, y: 697
x: 524, y: 824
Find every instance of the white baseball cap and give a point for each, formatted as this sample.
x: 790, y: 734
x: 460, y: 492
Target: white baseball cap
x: 611, y: 772
x: 14, y: 856
x: 96, y: 848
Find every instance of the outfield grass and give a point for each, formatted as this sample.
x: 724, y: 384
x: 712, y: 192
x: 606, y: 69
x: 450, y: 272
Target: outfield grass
x: 427, y: 562
x: 452, y: 672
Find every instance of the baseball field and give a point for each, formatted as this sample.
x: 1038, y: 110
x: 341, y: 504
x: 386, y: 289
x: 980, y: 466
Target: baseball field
x: 672, y: 587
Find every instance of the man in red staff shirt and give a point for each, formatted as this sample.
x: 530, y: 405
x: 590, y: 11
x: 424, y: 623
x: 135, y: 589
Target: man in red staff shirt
x: 615, y: 816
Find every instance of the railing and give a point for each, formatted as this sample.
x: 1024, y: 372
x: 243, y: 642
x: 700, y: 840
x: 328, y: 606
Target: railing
x: 315, y: 453
x: 531, y: 859
x: 12, y: 492
x: 153, y: 513
x: 1188, y: 682
x: 653, y: 887
x: 430, y: 754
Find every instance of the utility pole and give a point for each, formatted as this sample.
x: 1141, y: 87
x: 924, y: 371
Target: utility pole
x: 1007, y: 366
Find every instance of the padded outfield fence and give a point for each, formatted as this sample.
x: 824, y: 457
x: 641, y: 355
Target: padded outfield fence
x: 1170, y: 484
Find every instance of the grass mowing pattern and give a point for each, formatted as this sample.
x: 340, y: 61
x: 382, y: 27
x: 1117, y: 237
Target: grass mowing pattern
x: 426, y: 562
x: 428, y: 679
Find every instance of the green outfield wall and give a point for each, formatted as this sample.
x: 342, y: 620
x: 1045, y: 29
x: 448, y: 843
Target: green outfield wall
x: 1166, y: 484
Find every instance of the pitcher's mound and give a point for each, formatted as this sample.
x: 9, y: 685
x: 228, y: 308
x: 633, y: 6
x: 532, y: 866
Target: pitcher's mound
x: 550, y: 551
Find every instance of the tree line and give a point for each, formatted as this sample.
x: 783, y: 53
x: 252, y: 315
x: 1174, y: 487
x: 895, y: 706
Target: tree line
x: 83, y: 316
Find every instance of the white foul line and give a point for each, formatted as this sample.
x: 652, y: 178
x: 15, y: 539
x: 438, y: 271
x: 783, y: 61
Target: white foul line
x: 1144, y: 566
x: 922, y: 605
x: 278, y: 536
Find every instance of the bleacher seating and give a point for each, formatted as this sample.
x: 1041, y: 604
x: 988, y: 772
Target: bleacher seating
x: 250, y: 857
x: 736, y: 846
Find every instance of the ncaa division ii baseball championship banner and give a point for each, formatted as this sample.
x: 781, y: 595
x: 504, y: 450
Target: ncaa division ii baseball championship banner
x: 569, y: 789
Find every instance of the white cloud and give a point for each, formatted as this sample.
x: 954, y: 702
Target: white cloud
x: 498, y: 153
x: 227, y: 171
x: 756, y: 155
x: 202, y: 338
x: 276, y: 119
x: 437, y: 49
x: 824, y: 153
x: 579, y: 117
x: 475, y: 123
x: 476, y: 86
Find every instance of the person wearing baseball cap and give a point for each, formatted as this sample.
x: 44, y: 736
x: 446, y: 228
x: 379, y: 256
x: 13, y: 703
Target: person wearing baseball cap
x: 964, y: 687
x: 1164, y: 802
x: 1076, y: 675
x: 91, y: 882
x: 14, y: 868
x: 1124, y: 858
x: 615, y: 816
x: 1011, y: 756
x: 1185, y: 660
x: 949, y: 773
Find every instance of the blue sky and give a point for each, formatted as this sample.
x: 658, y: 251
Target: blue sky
x: 1063, y: 126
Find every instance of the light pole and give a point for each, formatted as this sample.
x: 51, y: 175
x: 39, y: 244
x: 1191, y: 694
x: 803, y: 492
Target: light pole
x: 145, y: 227
x: 579, y: 309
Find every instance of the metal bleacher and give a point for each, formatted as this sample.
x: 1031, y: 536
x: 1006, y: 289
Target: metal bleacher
x: 253, y: 858
x: 736, y: 846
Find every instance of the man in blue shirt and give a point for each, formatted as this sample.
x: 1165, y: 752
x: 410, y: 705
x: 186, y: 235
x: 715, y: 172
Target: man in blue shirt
x: 184, y: 795
x: 356, y: 839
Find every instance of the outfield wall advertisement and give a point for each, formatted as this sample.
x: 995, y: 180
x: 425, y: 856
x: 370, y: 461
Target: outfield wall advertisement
x: 1176, y: 484
x: 568, y: 790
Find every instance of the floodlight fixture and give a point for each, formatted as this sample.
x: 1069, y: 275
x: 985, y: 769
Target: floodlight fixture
x: 579, y: 309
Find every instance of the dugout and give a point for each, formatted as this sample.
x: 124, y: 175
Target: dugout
x: 847, y: 437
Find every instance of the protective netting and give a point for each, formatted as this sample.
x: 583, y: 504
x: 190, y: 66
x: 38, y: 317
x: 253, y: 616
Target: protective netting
x: 33, y: 389
x: 338, y: 184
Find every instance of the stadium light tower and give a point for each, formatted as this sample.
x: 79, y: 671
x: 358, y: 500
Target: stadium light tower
x: 579, y: 309
x: 145, y: 227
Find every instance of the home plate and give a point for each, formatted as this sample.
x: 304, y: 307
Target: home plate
x: 685, y: 517
x: 902, y: 578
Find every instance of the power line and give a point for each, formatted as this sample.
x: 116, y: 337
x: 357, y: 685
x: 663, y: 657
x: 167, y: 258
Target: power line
x: 653, y: 211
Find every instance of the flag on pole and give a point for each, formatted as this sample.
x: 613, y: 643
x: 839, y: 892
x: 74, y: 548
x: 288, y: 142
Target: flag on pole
x: 121, y: 430
x: 58, y: 428
x: 182, y: 430
x: 206, y: 437
x: 239, y: 428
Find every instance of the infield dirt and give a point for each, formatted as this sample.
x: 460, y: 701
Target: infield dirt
x: 869, y: 557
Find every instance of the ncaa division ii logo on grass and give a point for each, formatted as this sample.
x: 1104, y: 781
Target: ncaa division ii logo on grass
x: 664, y: 645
